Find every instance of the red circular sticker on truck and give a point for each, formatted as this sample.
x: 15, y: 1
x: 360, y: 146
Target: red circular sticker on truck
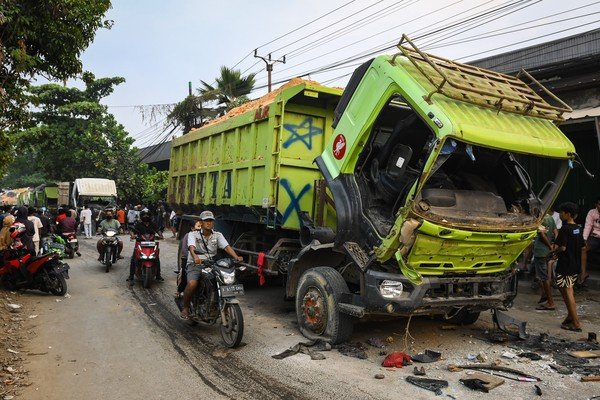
x: 339, y: 146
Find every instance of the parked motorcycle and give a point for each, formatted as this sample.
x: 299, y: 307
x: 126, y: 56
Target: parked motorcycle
x: 214, y: 298
x: 21, y: 270
x: 53, y: 243
x: 71, y: 244
x: 111, y: 245
x: 146, y: 258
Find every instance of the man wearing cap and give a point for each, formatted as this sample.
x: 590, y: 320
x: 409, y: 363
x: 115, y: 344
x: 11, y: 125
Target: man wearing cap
x: 205, y: 241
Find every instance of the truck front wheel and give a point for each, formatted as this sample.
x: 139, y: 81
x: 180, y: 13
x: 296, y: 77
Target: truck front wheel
x: 317, y: 306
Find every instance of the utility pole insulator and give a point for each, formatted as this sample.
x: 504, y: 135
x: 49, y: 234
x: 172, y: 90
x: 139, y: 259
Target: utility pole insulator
x: 269, y: 62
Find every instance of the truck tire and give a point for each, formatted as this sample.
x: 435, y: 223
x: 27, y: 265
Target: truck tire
x: 317, y: 297
x: 464, y: 317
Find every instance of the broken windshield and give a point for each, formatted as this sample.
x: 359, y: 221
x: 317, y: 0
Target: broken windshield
x: 474, y: 185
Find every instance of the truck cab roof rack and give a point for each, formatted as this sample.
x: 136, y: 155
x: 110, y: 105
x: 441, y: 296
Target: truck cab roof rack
x: 483, y: 87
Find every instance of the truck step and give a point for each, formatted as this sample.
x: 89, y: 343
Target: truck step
x: 351, y: 309
x: 357, y: 253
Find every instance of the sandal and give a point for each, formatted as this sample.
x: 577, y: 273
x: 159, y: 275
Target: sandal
x: 567, y: 321
x: 542, y: 300
x: 544, y: 307
x: 569, y: 327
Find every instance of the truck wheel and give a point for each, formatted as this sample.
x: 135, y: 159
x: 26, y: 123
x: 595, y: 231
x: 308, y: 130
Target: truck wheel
x: 464, y: 317
x: 319, y: 292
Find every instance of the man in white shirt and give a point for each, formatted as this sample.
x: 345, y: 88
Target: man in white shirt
x: 202, y: 245
x: 37, y: 225
x: 86, y: 220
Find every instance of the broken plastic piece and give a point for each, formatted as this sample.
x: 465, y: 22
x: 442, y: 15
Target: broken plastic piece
x: 434, y: 385
x: 419, y: 372
x: 428, y: 356
x: 538, y: 391
x: 397, y: 359
x: 504, y: 321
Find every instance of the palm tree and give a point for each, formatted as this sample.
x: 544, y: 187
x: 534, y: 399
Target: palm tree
x: 230, y: 90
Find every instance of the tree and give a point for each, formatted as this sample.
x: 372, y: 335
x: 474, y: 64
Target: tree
x: 72, y: 136
x: 40, y: 38
x: 231, y: 89
x: 155, y: 186
x: 191, y: 113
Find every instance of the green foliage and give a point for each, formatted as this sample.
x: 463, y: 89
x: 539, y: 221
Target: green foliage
x: 230, y: 90
x: 74, y: 136
x: 155, y: 186
x: 21, y: 174
x: 191, y: 113
x: 40, y: 38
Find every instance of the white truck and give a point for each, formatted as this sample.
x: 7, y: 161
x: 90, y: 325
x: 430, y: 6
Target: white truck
x: 92, y: 191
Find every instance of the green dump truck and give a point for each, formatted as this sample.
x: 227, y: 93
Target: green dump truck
x: 408, y: 193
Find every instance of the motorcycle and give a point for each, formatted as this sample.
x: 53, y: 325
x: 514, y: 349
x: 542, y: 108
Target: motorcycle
x: 146, y: 258
x: 21, y: 270
x: 214, y: 298
x: 111, y: 244
x: 71, y: 244
x: 53, y: 243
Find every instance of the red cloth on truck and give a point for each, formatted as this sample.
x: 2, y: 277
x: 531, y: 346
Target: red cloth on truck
x: 261, y: 262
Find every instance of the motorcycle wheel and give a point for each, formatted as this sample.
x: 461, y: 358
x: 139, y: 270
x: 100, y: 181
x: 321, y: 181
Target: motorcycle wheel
x: 58, y: 284
x: 147, y: 277
x: 107, y: 259
x: 232, y: 329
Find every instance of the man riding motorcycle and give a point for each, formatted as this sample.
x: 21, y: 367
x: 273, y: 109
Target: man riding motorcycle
x: 109, y: 223
x: 144, y: 227
x: 206, y: 241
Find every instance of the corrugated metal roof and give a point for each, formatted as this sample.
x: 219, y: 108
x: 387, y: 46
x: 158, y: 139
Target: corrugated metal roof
x: 578, y: 46
x: 583, y: 113
x: 156, y: 153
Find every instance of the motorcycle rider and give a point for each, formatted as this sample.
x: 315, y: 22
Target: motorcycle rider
x: 144, y: 227
x: 27, y: 238
x: 109, y: 223
x: 207, y: 241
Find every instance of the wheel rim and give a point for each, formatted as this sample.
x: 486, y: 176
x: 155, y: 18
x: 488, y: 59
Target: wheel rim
x: 231, y: 330
x: 56, y: 282
x: 314, y: 311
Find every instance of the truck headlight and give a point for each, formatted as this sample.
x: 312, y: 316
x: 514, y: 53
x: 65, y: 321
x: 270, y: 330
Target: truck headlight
x: 391, y: 289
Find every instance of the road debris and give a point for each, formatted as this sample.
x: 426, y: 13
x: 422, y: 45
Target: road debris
x: 482, y: 382
x: 397, y: 359
x: 428, y: 356
x: 538, y: 390
x: 12, y: 351
x: 356, y: 350
x: 14, y: 308
x: 530, y: 355
x: 32, y: 316
x: 419, y: 371
x: 519, y: 375
x: 311, y: 348
x: 379, y: 376
x: 376, y: 342
x: 434, y: 385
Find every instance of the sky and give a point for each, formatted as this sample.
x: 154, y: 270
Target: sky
x: 160, y: 46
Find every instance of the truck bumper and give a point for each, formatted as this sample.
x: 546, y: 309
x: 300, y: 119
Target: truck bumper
x: 436, y: 295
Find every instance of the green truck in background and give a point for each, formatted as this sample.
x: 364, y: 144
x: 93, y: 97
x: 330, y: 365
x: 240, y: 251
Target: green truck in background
x: 407, y: 193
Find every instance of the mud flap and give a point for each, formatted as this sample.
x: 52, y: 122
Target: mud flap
x: 413, y: 276
x: 504, y: 322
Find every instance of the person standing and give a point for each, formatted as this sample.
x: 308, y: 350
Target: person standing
x: 591, y: 235
x: 541, y: 248
x: 570, y: 249
x: 86, y: 220
x: 45, y: 222
x: 121, y: 218
x: 37, y: 227
x: 21, y: 215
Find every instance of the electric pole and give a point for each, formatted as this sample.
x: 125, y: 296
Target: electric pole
x: 269, y: 63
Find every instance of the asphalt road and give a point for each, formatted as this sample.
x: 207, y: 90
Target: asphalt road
x: 107, y: 341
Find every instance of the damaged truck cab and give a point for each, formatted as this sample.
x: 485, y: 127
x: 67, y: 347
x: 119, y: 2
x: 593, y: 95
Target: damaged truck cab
x: 431, y: 186
x: 422, y: 197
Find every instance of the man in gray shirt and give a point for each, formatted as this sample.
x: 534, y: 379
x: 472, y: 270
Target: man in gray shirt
x: 207, y: 242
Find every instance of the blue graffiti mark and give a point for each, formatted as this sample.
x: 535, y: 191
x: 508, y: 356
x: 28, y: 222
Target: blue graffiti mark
x: 294, y: 200
x: 296, y: 136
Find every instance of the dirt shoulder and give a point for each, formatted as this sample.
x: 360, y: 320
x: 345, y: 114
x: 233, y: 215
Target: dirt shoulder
x: 16, y: 325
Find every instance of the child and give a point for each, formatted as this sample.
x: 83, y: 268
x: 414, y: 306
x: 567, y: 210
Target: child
x: 569, y: 248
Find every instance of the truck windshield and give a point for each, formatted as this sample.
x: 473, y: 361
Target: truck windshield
x: 476, y: 186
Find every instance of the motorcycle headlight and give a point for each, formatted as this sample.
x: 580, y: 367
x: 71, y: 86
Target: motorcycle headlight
x: 143, y: 256
x: 391, y: 289
x: 228, y: 278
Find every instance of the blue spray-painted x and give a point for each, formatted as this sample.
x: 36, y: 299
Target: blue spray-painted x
x: 294, y: 200
x: 295, y: 136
